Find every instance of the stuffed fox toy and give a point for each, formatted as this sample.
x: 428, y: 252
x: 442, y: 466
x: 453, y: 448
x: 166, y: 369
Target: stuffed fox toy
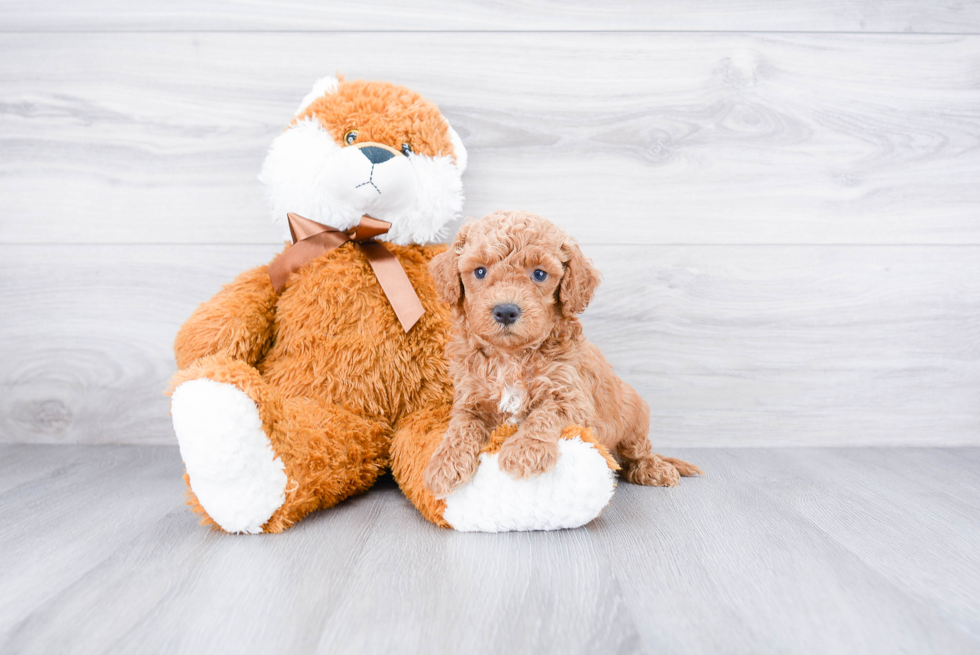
x: 299, y: 383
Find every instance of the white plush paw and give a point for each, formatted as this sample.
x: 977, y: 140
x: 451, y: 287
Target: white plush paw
x: 233, y: 470
x: 568, y: 496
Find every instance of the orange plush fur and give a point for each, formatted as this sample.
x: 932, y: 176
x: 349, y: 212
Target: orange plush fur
x: 390, y: 115
x: 338, y: 379
x: 538, y: 371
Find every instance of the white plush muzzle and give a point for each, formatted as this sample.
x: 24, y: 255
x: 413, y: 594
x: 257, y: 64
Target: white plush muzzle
x: 308, y: 173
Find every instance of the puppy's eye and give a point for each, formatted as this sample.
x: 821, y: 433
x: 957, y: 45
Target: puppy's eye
x: 539, y: 275
x: 350, y: 137
x: 406, y: 148
x: 480, y: 273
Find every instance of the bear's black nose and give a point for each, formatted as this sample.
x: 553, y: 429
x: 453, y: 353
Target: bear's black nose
x: 376, y: 155
x: 506, y: 314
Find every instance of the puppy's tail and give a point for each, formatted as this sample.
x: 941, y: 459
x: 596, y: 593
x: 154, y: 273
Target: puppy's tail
x: 686, y: 469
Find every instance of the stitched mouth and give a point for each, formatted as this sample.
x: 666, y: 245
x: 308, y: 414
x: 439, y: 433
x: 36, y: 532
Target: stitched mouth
x: 370, y: 181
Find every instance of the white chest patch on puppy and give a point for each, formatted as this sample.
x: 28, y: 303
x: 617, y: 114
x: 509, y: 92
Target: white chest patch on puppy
x: 511, y: 399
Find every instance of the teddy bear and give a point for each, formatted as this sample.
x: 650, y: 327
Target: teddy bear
x: 300, y: 382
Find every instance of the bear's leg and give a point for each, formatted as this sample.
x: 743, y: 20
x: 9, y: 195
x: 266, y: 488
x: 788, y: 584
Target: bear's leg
x: 412, y: 446
x: 568, y: 496
x: 330, y: 454
x: 258, y: 462
x: 220, y: 408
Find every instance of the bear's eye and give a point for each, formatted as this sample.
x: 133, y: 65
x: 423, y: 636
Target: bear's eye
x: 406, y: 148
x: 480, y: 273
x: 539, y: 275
x: 350, y: 137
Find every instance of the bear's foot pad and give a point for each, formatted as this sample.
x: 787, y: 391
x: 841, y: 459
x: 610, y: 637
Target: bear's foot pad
x: 232, y: 468
x: 570, y: 495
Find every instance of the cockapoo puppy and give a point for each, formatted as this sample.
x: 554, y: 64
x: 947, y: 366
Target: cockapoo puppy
x: 516, y: 282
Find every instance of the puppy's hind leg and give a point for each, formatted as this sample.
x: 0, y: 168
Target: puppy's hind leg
x: 640, y: 464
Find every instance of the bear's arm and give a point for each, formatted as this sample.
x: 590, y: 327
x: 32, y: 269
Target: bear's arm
x: 237, y: 321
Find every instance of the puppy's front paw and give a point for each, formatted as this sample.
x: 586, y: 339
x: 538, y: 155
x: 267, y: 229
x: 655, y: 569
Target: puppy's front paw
x: 448, y: 469
x: 524, y: 457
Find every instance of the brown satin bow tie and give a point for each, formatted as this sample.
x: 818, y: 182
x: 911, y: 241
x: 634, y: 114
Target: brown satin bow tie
x: 312, y: 239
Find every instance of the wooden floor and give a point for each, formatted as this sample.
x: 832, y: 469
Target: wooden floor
x: 803, y: 550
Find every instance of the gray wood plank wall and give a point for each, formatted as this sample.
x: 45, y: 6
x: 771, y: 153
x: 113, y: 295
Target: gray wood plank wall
x: 912, y: 16
x: 783, y: 196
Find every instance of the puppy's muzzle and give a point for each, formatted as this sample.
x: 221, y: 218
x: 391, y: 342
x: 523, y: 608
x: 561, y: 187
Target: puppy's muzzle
x: 506, y: 314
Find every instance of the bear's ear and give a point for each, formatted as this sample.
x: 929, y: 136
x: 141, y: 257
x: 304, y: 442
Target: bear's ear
x: 322, y: 87
x: 444, y: 268
x: 579, y: 282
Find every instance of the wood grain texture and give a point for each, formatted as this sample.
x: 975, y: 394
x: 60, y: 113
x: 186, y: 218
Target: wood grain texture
x: 647, y: 138
x: 895, y: 499
x: 90, y: 505
x: 783, y: 578
x: 774, y: 550
x: 730, y: 345
x: 906, y: 16
x: 88, y: 339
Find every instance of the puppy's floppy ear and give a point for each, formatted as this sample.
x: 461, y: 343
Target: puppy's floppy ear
x: 579, y: 282
x: 444, y: 268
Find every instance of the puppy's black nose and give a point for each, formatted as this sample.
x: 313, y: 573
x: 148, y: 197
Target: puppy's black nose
x: 376, y: 155
x: 506, y: 314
